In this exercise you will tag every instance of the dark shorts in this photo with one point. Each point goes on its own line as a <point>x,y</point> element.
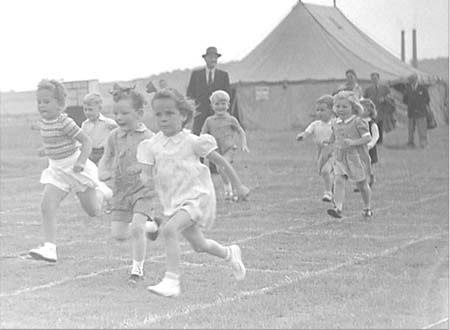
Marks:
<point>130,199</point>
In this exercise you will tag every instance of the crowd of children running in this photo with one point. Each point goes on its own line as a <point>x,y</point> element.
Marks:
<point>143,177</point>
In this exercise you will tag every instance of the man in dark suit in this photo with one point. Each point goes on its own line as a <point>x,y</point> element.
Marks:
<point>380,94</point>
<point>202,83</point>
<point>416,97</point>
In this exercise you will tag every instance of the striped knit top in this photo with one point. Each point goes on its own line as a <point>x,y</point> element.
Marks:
<point>58,136</point>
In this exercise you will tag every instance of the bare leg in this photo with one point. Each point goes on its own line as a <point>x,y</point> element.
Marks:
<point>139,241</point>
<point>366,193</point>
<point>327,180</point>
<point>51,199</point>
<point>178,223</point>
<point>339,191</point>
<point>90,201</point>
<point>201,244</point>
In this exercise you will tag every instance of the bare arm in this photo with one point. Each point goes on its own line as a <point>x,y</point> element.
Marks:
<point>243,138</point>
<point>217,159</point>
<point>375,136</point>
<point>86,148</point>
<point>104,166</point>
<point>146,174</point>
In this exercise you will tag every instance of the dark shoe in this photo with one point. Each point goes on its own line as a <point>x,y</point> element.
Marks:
<point>335,213</point>
<point>356,190</point>
<point>134,279</point>
<point>153,235</point>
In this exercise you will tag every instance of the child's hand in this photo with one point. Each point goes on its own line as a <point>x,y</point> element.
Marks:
<point>300,136</point>
<point>242,193</point>
<point>41,152</point>
<point>245,148</point>
<point>104,175</point>
<point>347,143</point>
<point>78,167</point>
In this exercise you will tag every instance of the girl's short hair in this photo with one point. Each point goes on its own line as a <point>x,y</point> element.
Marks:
<point>357,109</point>
<point>57,88</point>
<point>220,94</point>
<point>327,100</point>
<point>184,105</point>
<point>93,99</point>
<point>369,105</point>
<point>128,93</point>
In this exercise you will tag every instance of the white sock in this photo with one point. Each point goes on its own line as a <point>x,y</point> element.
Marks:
<point>151,226</point>
<point>50,245</point>
<point>172,276</point>
<point>138,268</point>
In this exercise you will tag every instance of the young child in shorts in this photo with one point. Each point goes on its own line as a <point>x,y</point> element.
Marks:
<point>96,125</point>
<point>224,127</point>
<point>133,206</point>
<point>67,148</point>
<point>321,131</point>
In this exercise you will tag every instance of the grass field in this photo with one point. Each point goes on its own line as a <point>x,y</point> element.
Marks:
<point>305,269</point>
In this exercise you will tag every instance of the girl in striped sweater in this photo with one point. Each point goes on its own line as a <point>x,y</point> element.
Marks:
<point>69,167</point>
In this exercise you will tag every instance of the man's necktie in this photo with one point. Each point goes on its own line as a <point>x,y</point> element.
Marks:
<point>210,78</point>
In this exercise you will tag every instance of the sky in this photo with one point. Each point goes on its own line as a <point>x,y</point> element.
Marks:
<point>121,40</point>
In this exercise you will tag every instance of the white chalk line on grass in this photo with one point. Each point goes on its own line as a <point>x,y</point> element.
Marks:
<point>436,323</point>
<point>155,258</point>
<point>287,280</point>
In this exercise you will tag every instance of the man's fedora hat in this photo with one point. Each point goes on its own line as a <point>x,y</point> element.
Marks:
<point>212,50</point>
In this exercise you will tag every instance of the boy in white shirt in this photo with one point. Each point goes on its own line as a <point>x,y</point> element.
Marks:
<point>96,126</point>
<point>321,131</point>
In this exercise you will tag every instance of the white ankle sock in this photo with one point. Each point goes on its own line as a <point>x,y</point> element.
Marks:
<point>172,276</point>
<point>228,256</point>
<point>50,245</point>
<point>138,267</point>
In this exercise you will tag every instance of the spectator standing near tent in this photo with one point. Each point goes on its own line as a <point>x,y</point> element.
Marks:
<point>202,83</point>
<point>351,84</point>
<point>417,99</point>
<point>380,95</point>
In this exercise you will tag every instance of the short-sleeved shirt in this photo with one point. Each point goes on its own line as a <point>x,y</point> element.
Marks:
<point>58,136</point>
<point>98,130</point>
<point>320,131</point>
<point>122,146</point>
<point>181,180</point>
<point>223,128</point>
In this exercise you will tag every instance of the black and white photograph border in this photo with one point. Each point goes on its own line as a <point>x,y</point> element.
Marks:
<point>320,198</point>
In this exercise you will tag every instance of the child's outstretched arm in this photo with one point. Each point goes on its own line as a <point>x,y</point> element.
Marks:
<point>241,189</point>
<point>105,163</point>
<point>86,148</point>
<point>302,135</point>
<point>375,136</point>
<point>243,138</point>
<point>146,174</point>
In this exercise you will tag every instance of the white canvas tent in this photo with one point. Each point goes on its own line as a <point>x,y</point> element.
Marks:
<point>306,56</point>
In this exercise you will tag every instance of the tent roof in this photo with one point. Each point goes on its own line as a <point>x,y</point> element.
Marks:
<point>317,43</point>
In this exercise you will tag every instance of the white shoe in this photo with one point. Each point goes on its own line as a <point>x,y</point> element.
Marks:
<point>46,252</point>
<point>236,262</point>
<point>168,287</point>
<point>327,196</point>
<point>105,190</point>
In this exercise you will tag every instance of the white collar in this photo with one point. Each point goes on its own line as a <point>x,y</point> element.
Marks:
<point>175,139</point>
<point>139,128</point>
<point>349,119</point>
